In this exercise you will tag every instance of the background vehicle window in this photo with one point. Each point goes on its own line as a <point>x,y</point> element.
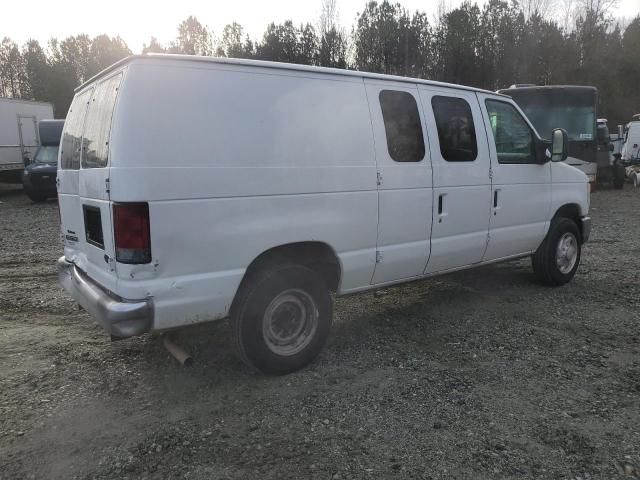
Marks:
<point>72,135</point>
<point>95,142</point>
<point>402,126</point>
<point>456,131</point>
<point>512,135</point>
<point>47,154</point>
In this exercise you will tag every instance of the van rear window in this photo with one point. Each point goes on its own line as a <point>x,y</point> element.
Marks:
<point>98,125</point>
<point>70,144</point>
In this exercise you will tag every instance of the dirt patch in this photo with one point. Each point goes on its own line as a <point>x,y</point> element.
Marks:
<point>481,374</point>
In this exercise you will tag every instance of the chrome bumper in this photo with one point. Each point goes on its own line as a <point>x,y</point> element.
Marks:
<point>121,318</point>
<point>585,228</point>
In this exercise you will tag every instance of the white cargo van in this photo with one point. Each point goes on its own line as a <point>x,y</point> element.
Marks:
<point>192,189</point>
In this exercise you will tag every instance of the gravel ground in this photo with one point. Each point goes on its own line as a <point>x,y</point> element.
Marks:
<point>481,374</point>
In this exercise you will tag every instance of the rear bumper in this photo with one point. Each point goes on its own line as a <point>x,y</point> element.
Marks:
<point>121,318</point>
<point>585,228</point>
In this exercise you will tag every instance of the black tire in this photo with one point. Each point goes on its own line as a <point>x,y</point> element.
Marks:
<point>544,262</point>
<point>252,329</point>
<point>618,177</point>
<point>35,196</point>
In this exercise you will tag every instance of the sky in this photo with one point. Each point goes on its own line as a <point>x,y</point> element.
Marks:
<point>137,20</point>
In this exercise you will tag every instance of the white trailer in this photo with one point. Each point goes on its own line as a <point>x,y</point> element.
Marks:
<point>19,134</point>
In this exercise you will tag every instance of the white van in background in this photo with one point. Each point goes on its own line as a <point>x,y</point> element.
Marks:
<point>195,188</point>
<point>631,146</point>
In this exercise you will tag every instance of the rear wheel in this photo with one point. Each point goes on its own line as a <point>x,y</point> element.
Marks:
<point>282,318</point>
<point>557,259</point>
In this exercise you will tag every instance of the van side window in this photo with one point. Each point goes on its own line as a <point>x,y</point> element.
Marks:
<point>456,131</point>
<point>402,126</point>
<point>512,135</point>
<point>72,136</point>
<point>95,142</point>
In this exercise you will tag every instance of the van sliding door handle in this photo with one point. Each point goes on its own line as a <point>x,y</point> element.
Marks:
<point>495,199</point>
<point>440,204</point>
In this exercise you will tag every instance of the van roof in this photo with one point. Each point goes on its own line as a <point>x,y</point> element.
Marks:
<point>276,65</point>
<point>513,88</point>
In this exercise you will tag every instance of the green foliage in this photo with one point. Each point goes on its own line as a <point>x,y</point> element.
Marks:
<point>193,39</point>
<point>490,46</point>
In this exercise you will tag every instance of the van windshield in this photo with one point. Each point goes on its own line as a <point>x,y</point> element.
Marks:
<point>47,154</point>
<point>573,109</point>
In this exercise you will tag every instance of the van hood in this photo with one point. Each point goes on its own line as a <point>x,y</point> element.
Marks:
<point>42,168</point>
<point>562,172</point>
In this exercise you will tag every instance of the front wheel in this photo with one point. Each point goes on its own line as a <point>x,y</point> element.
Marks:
<point>557,259</point>
<point>281,319</point>
<point>35,197</point>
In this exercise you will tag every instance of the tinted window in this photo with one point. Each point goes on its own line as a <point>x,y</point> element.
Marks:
<point>512,135</point>
<point>98,125</point>
<point>47,154</point>
<point>456,131</point>
<point>402,126</point>
<point>70,143</point>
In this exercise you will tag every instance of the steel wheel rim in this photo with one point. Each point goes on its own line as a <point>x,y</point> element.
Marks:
<point>567,253</point>
<point>290,322</point>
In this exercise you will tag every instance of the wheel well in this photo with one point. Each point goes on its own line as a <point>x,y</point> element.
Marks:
<point>571,211</point>
<point>317,256</point>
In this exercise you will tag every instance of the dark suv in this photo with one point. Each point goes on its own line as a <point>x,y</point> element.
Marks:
<point>39,176</point>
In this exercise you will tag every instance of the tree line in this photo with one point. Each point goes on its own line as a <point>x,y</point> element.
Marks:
<point>490,46</point>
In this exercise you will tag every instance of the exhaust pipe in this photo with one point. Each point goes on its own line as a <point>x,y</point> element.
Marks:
<point>176,352</point>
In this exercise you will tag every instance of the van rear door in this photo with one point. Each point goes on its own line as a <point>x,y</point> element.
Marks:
<point>83,182</point>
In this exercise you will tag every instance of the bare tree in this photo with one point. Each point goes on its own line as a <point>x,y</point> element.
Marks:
<point>329,16</point>
<point>541,8</point>
<point>599,9</point>
<point>568,14</point>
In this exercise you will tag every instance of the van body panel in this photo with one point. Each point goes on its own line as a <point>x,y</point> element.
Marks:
<point>219,238</point>
<point>290,160</point>
<point>521,195</point>
<point>568,187</point>
<point>459,235</point>
<point>405,197</point>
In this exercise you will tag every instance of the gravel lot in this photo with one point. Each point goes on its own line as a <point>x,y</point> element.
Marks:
<point>481,374</point>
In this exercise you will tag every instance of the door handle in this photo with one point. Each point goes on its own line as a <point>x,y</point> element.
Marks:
<point>440,204</point>
<point>495,199</point>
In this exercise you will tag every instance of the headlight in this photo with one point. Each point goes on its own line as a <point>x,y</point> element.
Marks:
<point>592,178</point>
<point>26,173</point>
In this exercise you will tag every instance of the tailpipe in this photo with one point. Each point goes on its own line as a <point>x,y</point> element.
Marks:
<point>176,352</point>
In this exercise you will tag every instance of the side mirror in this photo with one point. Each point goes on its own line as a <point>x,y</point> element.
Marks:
<point>26,160</point>
<point>610,147</point>
<point>559,145</point>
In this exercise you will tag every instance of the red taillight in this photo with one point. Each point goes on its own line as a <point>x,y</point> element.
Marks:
<point>131,232</point>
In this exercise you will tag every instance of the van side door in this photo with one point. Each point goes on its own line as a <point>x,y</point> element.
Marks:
<point>404,181</point>
<point>461,183</point>
<point>521,189</point>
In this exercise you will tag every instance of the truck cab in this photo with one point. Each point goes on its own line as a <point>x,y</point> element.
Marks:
<point>39,175</point>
